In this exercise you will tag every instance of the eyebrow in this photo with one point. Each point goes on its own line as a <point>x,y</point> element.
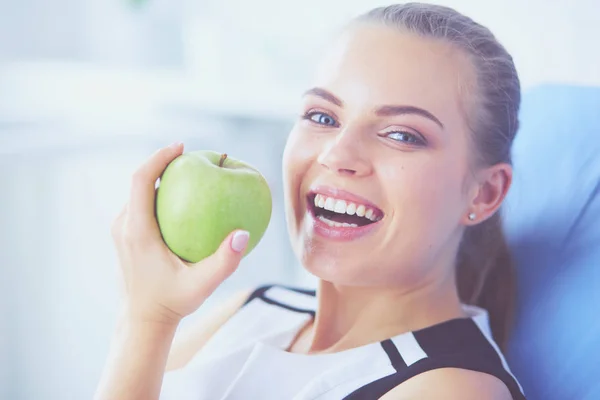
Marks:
<point>325,95</point>
<point>383,111</point>
<point>387,111</point>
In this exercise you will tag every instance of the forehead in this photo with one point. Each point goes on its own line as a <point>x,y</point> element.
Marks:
<point>370,65</point>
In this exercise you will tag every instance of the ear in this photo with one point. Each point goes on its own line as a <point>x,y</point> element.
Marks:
<point>490,189</point>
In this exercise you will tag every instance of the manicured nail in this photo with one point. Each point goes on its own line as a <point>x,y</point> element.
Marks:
<point>239,241</point>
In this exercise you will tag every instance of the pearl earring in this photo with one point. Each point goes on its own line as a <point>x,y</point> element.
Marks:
<point>472,216</point>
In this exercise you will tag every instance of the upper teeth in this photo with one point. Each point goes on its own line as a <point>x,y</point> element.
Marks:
<point>344,207</point>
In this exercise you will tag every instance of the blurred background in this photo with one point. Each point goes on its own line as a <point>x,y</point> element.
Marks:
<point>90,88</point>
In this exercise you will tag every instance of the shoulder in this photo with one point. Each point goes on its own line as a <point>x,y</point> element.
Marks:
<point>450,384</point>
<point>194,337</point>
<point>301,300</point>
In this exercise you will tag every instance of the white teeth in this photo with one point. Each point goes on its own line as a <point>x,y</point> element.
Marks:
<point>336,224</point>
<point>340,207</point>
<point>327,221</point>
<point>329,204</point>
<point>351,209</point>
<point>360,211</point>
<point>321,201</point>
<point>343,207</point>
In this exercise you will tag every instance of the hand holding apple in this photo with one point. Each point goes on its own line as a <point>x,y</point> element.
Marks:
<point>159,286</point>
<point>205,195</point>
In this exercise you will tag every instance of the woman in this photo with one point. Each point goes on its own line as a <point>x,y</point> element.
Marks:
<point>394,175</point>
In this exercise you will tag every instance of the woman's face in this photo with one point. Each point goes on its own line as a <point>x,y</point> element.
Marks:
<point>375,168</point>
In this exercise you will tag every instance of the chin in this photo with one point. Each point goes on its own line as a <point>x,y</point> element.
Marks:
<point>327,264</point>
<point>334,232</point>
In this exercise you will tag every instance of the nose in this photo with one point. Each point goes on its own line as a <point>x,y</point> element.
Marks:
<point>342,155</point>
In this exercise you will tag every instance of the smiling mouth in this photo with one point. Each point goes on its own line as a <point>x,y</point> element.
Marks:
<point>342,213</point>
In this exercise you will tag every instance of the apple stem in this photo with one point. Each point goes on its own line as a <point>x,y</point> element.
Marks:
<point>222,160</point>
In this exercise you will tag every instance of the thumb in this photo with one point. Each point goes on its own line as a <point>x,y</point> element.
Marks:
<point>214,269</point>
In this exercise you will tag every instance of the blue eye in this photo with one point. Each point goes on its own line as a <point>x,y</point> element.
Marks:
<point>406,137</point>
<point>321,118</point>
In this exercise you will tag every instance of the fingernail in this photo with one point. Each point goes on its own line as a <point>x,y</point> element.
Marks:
<point>174,145</point>
<point>239,241</point>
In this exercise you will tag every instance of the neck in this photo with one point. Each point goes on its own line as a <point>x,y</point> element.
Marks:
<point>351,316</point>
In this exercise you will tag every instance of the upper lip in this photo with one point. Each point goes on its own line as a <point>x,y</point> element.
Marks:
<point>340,194</point>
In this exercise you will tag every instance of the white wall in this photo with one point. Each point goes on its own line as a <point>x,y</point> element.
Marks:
<point>551,40</point>
<point>274,41</point>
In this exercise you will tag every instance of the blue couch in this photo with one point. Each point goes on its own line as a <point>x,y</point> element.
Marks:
<point>552,223</point>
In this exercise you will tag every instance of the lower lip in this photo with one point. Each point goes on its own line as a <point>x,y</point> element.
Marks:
<point>341,233</point>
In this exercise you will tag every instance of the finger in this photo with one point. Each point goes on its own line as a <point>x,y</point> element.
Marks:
<point>213,270</point>
<point>144,180</point>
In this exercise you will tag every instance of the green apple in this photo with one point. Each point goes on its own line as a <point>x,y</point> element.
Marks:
<point>203,196</point>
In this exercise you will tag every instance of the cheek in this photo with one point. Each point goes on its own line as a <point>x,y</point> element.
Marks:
<point>298,157</point>
<point>301,152</point>
<point>426,189</point>
<point>424,195</point>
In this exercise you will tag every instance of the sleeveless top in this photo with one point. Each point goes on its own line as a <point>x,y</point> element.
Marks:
<point>246,358</point>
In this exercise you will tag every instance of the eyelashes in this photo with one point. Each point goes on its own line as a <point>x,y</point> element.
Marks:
<point>321,118</point>
<point>406,137</point>
<point>325,120</point>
